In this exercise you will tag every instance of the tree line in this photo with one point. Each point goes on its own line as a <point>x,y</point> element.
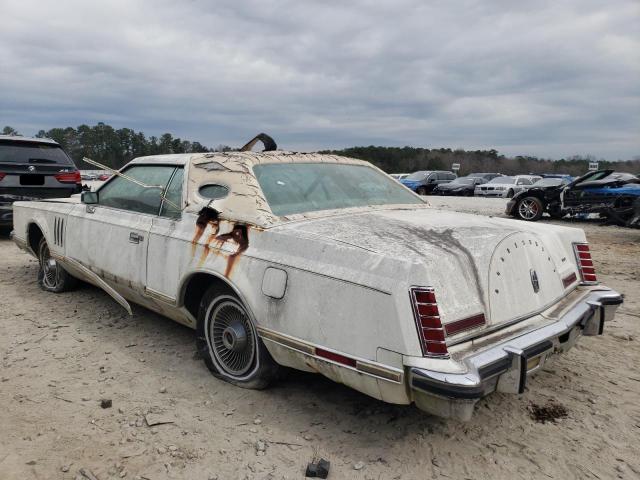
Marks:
<point>115,147</point>
<point>411,159</point>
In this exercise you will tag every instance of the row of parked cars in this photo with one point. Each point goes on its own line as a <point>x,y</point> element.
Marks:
<point>610,194</point>
<point>95,176</point>
<point>479,184</point>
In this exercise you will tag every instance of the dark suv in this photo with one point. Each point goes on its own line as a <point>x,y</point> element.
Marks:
<point>423,182</point>
<point>32,169</point>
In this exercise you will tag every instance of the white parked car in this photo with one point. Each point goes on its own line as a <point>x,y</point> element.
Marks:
<point>505,186</point>
<point>325,264</point>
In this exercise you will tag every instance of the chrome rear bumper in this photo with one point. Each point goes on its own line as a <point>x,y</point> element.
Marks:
<point>504,367</point>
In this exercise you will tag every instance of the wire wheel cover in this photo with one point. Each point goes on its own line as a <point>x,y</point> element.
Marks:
<point>50,269</point>
<point>232,338</point>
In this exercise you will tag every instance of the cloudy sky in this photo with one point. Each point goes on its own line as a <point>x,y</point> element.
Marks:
<point>549,78</point>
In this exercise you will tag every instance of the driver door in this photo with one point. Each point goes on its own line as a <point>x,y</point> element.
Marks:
<point>111,237</point>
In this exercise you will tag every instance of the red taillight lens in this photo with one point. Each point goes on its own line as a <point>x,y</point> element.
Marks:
<point>427,316</point>
<point>2,175</point>
<point>468,323</point>
<point>68,177</point>
<point>336,357</point>
<point>585,264</point>
<point>424,296</point>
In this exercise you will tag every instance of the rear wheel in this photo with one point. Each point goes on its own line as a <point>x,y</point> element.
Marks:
<point>229,344</point>
<point>421,191</point>
<point>529,208</point>
<point>52,277</point>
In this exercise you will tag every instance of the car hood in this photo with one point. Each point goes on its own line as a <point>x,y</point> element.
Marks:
<point>453,186</point>
<point>497,185</point>
<point>404,181</point>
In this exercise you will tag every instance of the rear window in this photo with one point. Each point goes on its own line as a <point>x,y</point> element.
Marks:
<point>503,180</point>
<point>307,187</point>
<point>32,152</point>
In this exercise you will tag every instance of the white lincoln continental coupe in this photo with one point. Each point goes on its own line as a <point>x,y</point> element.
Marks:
<point>325,264</point>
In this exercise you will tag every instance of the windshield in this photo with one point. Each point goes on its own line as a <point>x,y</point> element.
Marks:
<point>503,180</point>
<point>16,151</point>
<point>417,176</point>
<point>550,182</point>
<point>306,187</point>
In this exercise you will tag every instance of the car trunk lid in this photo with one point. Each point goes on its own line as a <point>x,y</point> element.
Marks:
<point>477,265</point>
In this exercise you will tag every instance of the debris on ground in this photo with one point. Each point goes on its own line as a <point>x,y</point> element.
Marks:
<point>319,469</point>
<point>547,413</point>
<point>261,447</point>
<point>106,403</point>
<point>153,419</point>
<point>86,473</point>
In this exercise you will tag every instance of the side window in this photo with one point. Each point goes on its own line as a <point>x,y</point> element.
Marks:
<point>124,194</point>
<point>174,195</point>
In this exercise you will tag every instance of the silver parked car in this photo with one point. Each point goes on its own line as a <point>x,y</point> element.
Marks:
<point>505,186</point>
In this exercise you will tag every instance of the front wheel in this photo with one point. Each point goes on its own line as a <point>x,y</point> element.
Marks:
<point>510,193</point>
<point>52,277</point>
<point>229,344</point>
<point>529,209</point>
<point>421,191</point>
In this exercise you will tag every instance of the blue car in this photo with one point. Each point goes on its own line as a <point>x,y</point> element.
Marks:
<point>424,182</point>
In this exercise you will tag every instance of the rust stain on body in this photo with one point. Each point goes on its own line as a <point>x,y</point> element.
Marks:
<point>240,236</point>
<point>211,240</point>
<point>207,216</point>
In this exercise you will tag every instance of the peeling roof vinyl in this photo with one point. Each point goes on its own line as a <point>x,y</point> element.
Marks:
<point>245,202</point>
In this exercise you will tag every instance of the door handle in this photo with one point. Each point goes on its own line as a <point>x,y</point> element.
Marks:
<point>135,238</point>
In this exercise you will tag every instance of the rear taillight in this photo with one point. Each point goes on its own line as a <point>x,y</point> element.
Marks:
<point>584,262</point>
<point>2,175</point>
<point>68,177</point>
<point>427,316</point>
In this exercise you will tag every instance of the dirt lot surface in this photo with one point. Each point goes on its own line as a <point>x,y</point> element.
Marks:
<point>62,354</point>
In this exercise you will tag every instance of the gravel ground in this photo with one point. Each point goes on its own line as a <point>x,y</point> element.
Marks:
<point>62,354</point>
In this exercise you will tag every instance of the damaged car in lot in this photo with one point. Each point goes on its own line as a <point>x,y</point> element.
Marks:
<point>614,195</point>
<point>325,264</point>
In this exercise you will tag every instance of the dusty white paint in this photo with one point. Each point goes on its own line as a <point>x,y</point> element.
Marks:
<point>346,273</point>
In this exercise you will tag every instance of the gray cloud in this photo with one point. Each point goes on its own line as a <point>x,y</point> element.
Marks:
<point>545,78</point>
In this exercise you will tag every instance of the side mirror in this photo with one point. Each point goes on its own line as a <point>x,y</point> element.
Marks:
<point>90,198</point>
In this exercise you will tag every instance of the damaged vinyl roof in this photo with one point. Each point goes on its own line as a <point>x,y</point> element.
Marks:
<point>245,200</point>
